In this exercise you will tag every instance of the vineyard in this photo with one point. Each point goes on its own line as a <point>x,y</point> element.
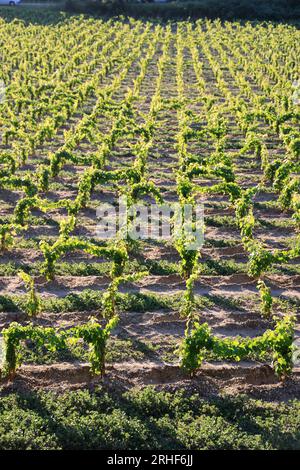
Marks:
<point>193,113</point>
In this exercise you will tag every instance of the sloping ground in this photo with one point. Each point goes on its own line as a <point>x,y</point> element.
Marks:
<point>142,349</point>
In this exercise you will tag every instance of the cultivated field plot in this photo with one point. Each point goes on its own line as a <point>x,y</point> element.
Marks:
<point>188,113</point>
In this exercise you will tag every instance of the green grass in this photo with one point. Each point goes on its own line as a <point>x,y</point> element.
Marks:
<point>277,10</point>
<point>221,221</point>
<point>210,267</point>
<point>89,300</point>
<point>221,243</point>
<point>145,419</point>
<point>118,350</point>
<point>81,268</point>
<point>214,267</point>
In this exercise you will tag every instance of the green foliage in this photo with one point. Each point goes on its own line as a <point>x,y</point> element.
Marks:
<point>33,304</point>
<point>288,191</point>
<point>65,245</point>
<point>188,301</point>
<point>266,298</point>
<point>7,234</point>
<point>278,10</point>
<point>189,257</point>
<point>92,333</point>
<point>260,259</point>
<point>233,190</point>
<point>278,342</point>
<point>109,298</point>
<point>96,336</point>
<point>16,182</point>
<point>16,333</point>
<point>60,101</point>
<point>294,148</point>
<point>107,419</point>
<point>43,177</point>
<point>253,143</point>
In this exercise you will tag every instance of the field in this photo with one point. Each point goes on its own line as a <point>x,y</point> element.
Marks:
<point>158,344</point>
